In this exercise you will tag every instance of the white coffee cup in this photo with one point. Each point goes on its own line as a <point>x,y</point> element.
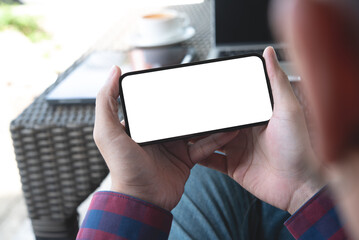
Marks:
<point>163,24</point>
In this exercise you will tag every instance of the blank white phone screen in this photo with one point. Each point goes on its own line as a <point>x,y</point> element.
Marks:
<point>194,99</point>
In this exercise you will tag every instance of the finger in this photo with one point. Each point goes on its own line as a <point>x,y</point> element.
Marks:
<point>217,162</point>
<point>283,95</point>
<point>195,139</point>
<point>203,148</point>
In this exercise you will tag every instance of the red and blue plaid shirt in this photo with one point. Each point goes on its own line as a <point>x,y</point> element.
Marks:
<point>117,216</point>
<point>316,219</point>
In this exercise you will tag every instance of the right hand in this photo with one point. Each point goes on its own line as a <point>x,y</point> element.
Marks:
<point>269,161</point>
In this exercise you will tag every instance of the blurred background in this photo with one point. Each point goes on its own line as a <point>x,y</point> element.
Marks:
<point>40,39</point>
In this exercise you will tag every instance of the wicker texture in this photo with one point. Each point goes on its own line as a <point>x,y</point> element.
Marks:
<point>200,18</point>
<point>58,161</point>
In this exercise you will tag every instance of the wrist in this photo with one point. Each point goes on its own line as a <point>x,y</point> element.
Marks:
<point>142,193</point>
<point>300,197</point>
<point>311,183</point>
<point>134,192</point>
<point>302,194</point>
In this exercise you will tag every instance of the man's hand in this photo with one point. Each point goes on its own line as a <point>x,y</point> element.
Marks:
<point>155,173</point>
<point>270,161</point>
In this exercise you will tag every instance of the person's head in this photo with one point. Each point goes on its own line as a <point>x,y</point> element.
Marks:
<point>323,38</point>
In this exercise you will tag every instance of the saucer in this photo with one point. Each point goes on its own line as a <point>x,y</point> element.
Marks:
<point>138,40</point>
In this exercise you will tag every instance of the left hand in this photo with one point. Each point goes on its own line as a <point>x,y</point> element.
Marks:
<point>270,161</point>
<point>155,173</point>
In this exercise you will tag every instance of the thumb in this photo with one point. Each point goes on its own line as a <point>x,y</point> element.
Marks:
<point>283,95</point>
<point>107,122</point>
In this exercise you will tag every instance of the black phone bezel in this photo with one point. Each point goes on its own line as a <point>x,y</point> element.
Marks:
<point>123,105</point>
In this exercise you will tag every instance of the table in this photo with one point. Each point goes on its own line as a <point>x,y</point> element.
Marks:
<point>58,161</point>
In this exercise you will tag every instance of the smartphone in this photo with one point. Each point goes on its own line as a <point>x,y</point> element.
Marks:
<point>193,99</point>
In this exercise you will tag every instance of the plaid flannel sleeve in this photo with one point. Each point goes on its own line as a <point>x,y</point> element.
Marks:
<point>316,219</point>
<point>114,215</point>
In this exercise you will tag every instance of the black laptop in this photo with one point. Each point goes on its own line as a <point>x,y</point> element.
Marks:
<point>242,27</point>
